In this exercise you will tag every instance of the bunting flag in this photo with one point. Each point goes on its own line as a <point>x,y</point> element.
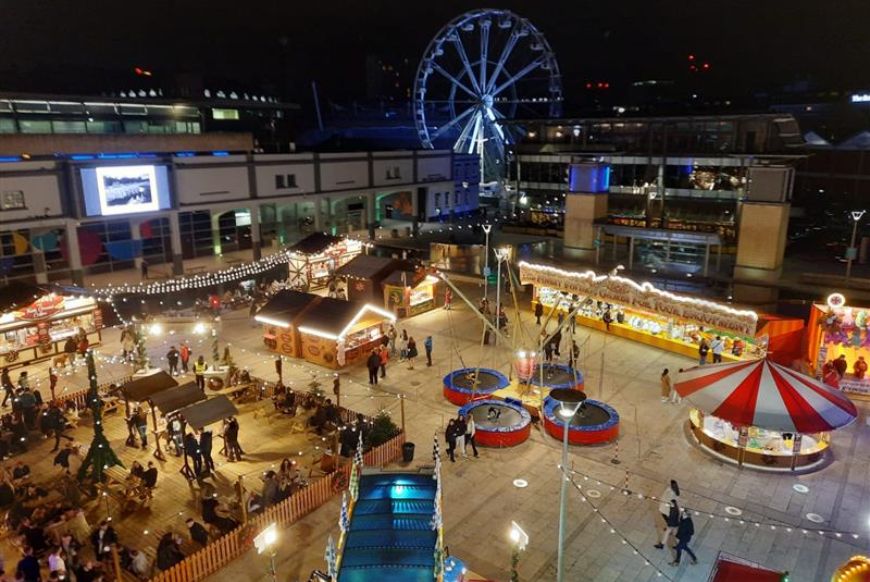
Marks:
<point>436,456</point>
<point>45,242</point>
<point>356,469</point>
<point>20,243</point>
<point>331,558</point>
<point>439,559</point>
<point>437,521</point>
<point>124,250</point>
<point>344,520</point>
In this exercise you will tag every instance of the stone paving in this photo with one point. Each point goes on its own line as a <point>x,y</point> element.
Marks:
<point>481,501</point>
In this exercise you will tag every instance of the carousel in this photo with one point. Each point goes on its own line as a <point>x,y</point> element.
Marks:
<point>763,415</point>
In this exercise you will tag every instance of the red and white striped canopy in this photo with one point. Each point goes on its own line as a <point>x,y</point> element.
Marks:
<point>764,394</point>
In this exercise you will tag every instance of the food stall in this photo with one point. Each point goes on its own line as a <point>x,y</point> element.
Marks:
<point>336,333</point>
<point>279,316</point>
<point>363,276</point>
<point>314,259</point>
<point>836,329</point>
<point>38,330</point>
<point>409,293</point>
<point>677,323</point>
<point>761,414</point>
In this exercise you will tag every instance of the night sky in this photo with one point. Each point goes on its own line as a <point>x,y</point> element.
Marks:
<point>67,46</point>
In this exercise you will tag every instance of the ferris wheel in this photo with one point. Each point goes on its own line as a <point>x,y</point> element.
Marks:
<point>483,67</point>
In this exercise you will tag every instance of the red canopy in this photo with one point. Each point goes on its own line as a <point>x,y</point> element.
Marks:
<point>767,395</point>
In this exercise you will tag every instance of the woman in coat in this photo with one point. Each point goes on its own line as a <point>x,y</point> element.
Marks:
<point>450,437</point>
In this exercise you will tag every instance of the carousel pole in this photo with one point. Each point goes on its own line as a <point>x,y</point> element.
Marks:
<point>158,454</point>
<point>240,485</point>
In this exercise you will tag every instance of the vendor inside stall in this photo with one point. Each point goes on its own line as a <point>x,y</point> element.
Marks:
<point>337,333</point>
<point>677,323</point>
<point>39,329</point>
<point>279,316</point>
<point>361,278</point>
<point>409,293</point>
<point>314,259</point>
<point>838,345</point>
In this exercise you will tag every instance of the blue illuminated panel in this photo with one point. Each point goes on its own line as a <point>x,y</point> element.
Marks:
<point>589,178</point>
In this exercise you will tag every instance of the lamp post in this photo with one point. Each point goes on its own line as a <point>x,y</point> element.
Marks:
<point>852,252</point>
<point>486,229</point>
<point>569,403</point>
<point>265,543</point>
<point>501,254</point>
<point>520,540</point>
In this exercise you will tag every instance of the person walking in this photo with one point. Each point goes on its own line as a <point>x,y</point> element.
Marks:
<point>448,298</point>
<point>539,312</point>
<point>373,363</point>
<point>548,352</point>
<point>205,446</point>
<point>172,359</point>
<point>427,343</point>
<point>412,352</point>
<point>383,358</point>
<point>199,367</point>
<point>717,347</point>
<point>670,511</point>
<point>675,396</point>
<point>685,531</point>
<point>184,354</point>
<point>8,387</point>
<point>470,431</point>
<point>667,384</point>
<point>702,352</point>
<point>450,437</point>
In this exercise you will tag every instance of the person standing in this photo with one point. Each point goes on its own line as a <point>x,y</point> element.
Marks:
<point>373,363</point>
<point>8,387</point>
<point>685,531</point>
<point>54,421</point>
<point>675,396</point>
<point>184,354</point>
<point>52,381</point>
<point>539,312</point>
<point>448,298</point>
<point>548,352</point>
<point>392,334</point>
<point>667,384</point>
<point>69,348</point>
<point>403,343</point>
<point>383,358</point>
<point>470,431</point>
<point>412,352</point>
<point>234,449</point>
<point>670,511</point>
<point>140,420</point>
<point>192,449</point>
<point>717,347</point>
<point>427,343</point>
<point>205,446</point>
<point>459,427</point>
<point>702,352</point>
<point>199,373</point>
<point>128,345</point>
<point>840,365</point>
<point>172,359</point>
<point>450,437</point>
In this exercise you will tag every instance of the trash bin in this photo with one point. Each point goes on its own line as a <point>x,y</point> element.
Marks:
<point>408,452</point>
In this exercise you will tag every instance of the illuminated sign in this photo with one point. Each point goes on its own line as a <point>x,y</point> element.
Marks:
<point>126,189</point>
<point>836,300</point>
<point>860,97</point>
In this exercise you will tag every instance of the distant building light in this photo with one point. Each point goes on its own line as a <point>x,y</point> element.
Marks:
<point>206,92</point>
<point>224,114</point>
<point>860,98</point>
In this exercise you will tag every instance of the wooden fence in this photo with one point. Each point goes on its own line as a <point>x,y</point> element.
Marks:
<point>80,397</point>
<point>224,550</point>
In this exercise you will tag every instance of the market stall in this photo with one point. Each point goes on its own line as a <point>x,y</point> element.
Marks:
<point>279,316</point>
<point>409,293</point>
<point>838,330</point>
<point>336,333</point>
<point>762,414</point>
<point>363,276</point>
<point>677,323</point>
<point>145,386</point>
<point>314,259</point>
<point>37,330</point>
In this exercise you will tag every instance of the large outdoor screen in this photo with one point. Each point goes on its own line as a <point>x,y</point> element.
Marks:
<point>114,190</point>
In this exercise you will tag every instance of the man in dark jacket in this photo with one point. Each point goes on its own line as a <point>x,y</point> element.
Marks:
<point>28,566</point>
<point>149,477</point>
<point>191,447</point>
<point>672,522</point>
<point>685,531</point>
<point>54,423</point>
<point>197,532</point>
<point>102,538</point>
<point>172,358</point>
<point>205,445</point>
<point>373,363</point>
<point>8,386</point>
<point>539,311</point>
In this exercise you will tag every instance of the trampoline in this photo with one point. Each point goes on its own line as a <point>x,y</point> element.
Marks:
<point>558,376</point>
<point>499,423</point>
<point>460,386</point>
<point>390,538</point>
<point>596,423</point>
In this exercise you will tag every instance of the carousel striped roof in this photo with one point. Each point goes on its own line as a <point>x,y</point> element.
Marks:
<point>767,395</point>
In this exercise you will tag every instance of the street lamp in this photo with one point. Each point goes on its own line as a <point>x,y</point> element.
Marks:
<point>852,252</point>
<point>501,254</point>
<point>520,540</point>
<point>569,403</point>
<point>486,229</point>
<point>265,543</point>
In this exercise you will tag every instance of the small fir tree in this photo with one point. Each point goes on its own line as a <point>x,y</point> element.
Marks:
<point>100,455</point>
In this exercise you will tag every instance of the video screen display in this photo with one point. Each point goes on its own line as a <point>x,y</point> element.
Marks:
<point>115,190</point>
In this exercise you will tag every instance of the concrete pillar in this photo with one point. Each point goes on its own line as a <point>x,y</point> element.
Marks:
<point>175,244</point>
<point>256,244</point>
<point>74,254</point>
<point>630,252</point>
<point>136,235</point>
<point>40,269</point>
<point>706,258</point>
<point>371,204</point>
<point>318,215</point>
<point>216,232</point>
<point>585,203</point>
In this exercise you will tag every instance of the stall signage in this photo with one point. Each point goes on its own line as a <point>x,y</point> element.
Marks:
<point>796,444</point>
<point>626,292</point>
<point>43,307</point>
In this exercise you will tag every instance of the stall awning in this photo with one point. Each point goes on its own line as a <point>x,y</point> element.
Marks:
<point>145,387</point>
<point>366,267</point>
<point>334,317</point>
<point>208,412</point>
<point>314,243</point>
<point>764,394</point>
<point>285,306</point>
<point>173,399</point>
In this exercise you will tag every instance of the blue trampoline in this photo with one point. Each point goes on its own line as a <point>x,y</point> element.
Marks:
<point>465,384</point>
<point>558,376</point>
<point>390,537</point>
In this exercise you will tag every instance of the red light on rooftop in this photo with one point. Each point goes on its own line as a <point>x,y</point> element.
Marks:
<point>706,66</point>
<point>691,57</point>
<point>588,85</point>
<point>693,68</point>
<point>138,70</point>
<point>607,85</point>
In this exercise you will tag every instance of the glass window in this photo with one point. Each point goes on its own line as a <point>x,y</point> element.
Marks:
<point>135,127</point>
<point>7,125</point>
<point>28,126</point>
<point>12,199</point>
<point>104,127</point>
<point>217,113</point>
<point>68,126</point>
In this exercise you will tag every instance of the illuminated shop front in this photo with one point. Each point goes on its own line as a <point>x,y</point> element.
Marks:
<point>363,277</point>
<point>40,329</point>
<point>677,323</point>
<point>314,259</point>
<point>409,293</point>
<point>837,329</point>
<point>279,318</point>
